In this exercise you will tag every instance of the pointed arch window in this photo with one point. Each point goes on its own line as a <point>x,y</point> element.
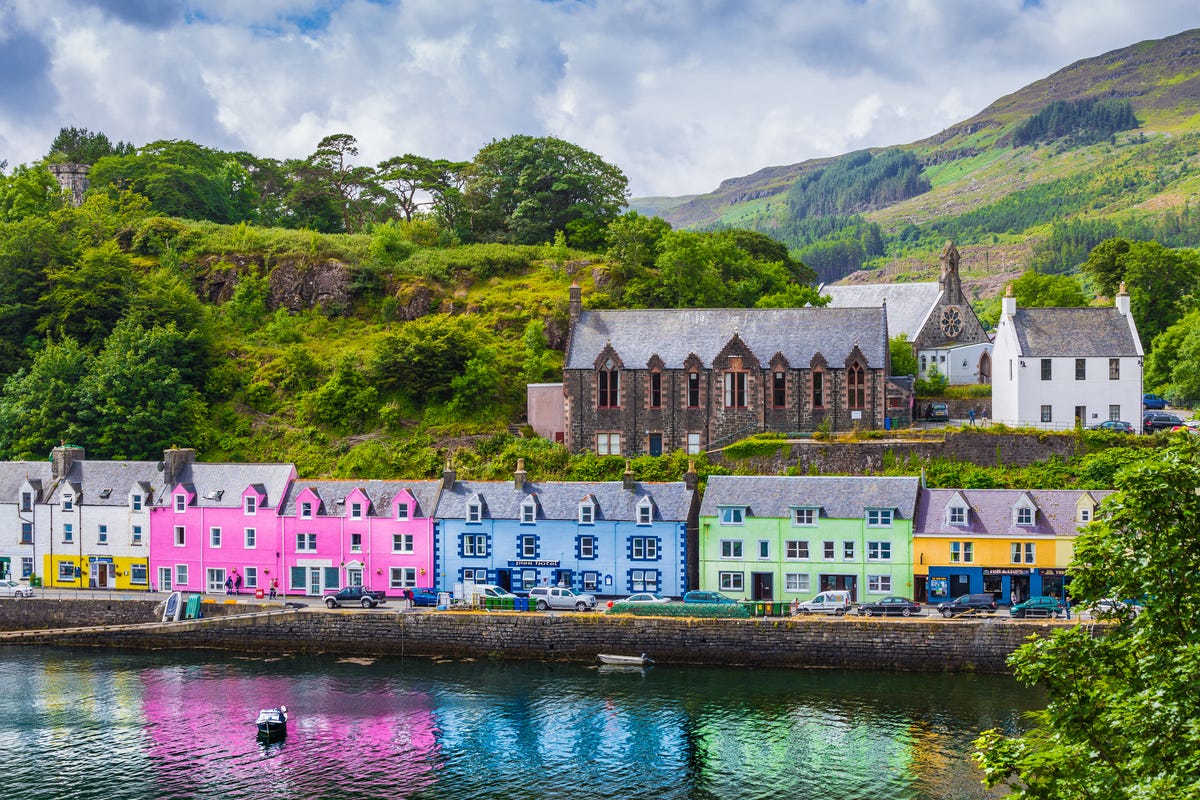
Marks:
<point>856,386</point>
<point>656,389</point>
<point>693,389</point>
<point>608,382</point>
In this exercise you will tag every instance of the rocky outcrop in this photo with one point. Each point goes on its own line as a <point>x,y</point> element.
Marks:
<point>325,285</point>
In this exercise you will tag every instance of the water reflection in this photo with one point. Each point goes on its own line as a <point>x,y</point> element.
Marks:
<point>105,725</point>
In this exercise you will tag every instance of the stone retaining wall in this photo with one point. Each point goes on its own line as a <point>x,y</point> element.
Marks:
<point>50,612</point>
<point>933,645</point>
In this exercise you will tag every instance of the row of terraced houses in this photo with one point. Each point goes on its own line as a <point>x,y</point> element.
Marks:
<point>185,525</point>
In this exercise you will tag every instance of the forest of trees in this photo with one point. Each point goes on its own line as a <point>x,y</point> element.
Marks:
<point>1085,121</point>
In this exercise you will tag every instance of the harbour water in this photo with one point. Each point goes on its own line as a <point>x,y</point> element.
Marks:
<point>132,725</point>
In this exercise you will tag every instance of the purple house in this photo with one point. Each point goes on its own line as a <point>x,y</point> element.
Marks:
<point>217,523</point>
<point>377,534</point>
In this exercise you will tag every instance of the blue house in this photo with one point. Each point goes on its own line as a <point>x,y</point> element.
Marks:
<point>608,538</point>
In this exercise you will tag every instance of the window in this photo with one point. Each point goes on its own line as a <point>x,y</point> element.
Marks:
<point>693,390</point>
<point>958,515</point>
<point>879,517</point>
<point>68,502</point>
<point>856,386</point>
<point>68,533</point>
<point>644,548</point>
<point>735,390</point>
<point>249,538</point>
<point>804,517</point>
<point>795,582</point>
<point>66,570</point>
<point>732,581</point>
<point>879,584</point>
<point>402,512</point>
<point>306,510</point>
<point>608,381</point>
<point>779,389</point>
<point>1047,415</point>
<point>356,543</point>
<point>528,546</point>
<point>732,515</point>
<point>306,542</point>
<point>474,545</point>
<point>818,389</point>
<point>528,513</point>
<point>181,574</point>
<point>474,512</point>
<point>180,536</point>
<point>250,504</point>
<point>643,580</point>
<point>591,581</point>
<point>1081,369</point>
<point>478,575</point>
<point>216,579</point>
<point>136,502</point>
<point>1114,369</point>
<point>1024,516</point>
<point>180,503</point>
<point>693,444</point>
<point>1114,412</point>
<point>608,444</point>
<point>645,514</point>
<point>828,550</point>
<point>1085,514</point>
<point>139,574</point>
<point>402,542</point>
<point>26,533</point>
<point>26,501</point>
<point>402,578</point>
<point>587,514</point>
<point>587,546</point>
<point>962,552</point>
<point>879,551</point>
<point>1023,552</point>
<point>214,537</point>
<point>796,549</point>
<point>102,534</point>
<point>528,578</point>
<point>848,550</point>
<point>26,566</point>
<point>1046,369</point>
<point>656,390</point>
<point>731,548</point>
<point>764,548</point>
<point>356,511</point>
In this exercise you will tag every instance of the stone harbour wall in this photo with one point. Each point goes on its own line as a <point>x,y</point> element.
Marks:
<point>51,613</point>
<point>932,645</point>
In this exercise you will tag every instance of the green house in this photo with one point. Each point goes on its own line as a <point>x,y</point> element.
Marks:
<point>787,538</point>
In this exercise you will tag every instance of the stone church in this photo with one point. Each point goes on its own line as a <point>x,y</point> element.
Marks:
<point>937,318</point>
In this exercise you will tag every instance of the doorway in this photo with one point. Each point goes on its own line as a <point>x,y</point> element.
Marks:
<point>561,577</point>
<point>985,368</point>
<point>845,583</point>
<point>354,577</point>
<point>164,579</point>
<point>762,586</point>
<point>1081,416</point>
<point>314,581</point>
<point>656,444</point>
<point>504,579</point>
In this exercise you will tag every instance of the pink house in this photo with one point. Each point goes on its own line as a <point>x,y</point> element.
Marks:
<point>218,523</point>
<point>377,534</point>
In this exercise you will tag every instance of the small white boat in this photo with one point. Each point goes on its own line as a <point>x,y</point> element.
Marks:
<point>272,723</point>
<point>626,661</point>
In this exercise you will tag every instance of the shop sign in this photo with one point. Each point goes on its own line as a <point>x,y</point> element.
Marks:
<point>938,586</point>
<point>1054,572</point>
<point>1006,571</point>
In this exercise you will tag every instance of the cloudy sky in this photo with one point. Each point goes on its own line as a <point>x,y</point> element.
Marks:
<point>678,93</point>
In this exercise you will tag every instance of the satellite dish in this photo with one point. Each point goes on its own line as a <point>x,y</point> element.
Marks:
<point>160,466</point>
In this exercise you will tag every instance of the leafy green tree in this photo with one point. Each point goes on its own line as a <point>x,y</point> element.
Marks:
<point>1160,281</point>
<point>540,363</point>
<point>1034,290</point>
<point>247,308</point>
<point>424,357</point>
<point>1122,712</point>
<point>904,361</point>
<point>406,178</point>
<point>345,401</point>
<point>81,146</point>
<point>522,189</point>
<point>329,174</point>
<point>1173,365</point>
<point>633,245</point>
<point>794,295</point>
<point>28,192</point>
<point>37,404</point>
<point>86,299</point>
<point>687,273</point>
<point>27,250</point>
<point>762,247</point>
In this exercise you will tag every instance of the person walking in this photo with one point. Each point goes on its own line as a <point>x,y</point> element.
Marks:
<point>237,583</point>
<point>229,585</point>
<point>971,416</point>
<point>274,588</point>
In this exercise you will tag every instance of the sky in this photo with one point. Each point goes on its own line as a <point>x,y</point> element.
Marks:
<point>680,94</point>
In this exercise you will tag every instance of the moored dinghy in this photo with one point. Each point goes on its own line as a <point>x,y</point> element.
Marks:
<point>625,661</point>
<point>272,723</point>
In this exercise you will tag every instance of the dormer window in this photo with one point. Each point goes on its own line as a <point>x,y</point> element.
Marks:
<point>645,512</point>
<point>1024,516</point>
<point>135,502</point>
<point>528,512</point>
<point>804,517</point>
<point>956,515</point>
<point>251,504</point>
<point>306,510</point>
<point>733,515</point>
<point>587,513</point>
<point>474,512</point>
<point>68,502</point>
<point>879,517</point>
<point>1024,512</point>
<point>402,512</point>
<point>1085,514</point>
<point>356,511</point>
<point>27,501</point>
<point>180,503</point>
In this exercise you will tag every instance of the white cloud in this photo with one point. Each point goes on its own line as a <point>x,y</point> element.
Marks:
<point>679,93</point>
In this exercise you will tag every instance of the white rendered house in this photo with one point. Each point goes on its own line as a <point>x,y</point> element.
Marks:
<point>1054,366</point>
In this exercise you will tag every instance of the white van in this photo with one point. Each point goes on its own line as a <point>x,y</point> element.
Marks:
<point>828,602</point>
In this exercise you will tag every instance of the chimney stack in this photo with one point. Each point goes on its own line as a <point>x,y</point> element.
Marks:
<point>62,458</point>
<point>519,476</point>
<point>448,478</point>
<point>689,477</point>
<point>1122,300</point>
<point>174,460</point>
<point>627,479</point>
<point>575,306</point>
<point>1008,304</point>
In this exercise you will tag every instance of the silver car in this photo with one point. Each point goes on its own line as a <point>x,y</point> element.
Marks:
<point>560,597</point>
<point>14,589</point>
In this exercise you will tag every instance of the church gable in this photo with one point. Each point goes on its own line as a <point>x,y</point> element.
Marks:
<point>735,348</point>
<point>951,320</point>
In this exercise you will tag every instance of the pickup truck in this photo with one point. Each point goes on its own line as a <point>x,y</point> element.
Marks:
<point>355,596</point>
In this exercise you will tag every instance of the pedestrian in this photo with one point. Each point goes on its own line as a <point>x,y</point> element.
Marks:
<point>971,416</point>
<point>237,583</point>
<point>274,588</point>
<point>229,585</point>
<point>1012,597</point>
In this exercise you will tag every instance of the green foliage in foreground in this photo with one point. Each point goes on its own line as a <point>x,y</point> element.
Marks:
<point>705,610</point>
<point>1122,719</point>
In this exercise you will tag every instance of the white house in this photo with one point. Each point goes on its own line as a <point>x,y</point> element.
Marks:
<point>23,486</point>
<point>1054,366</point>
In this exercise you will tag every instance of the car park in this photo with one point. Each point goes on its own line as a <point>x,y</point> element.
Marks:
<point>969,604</point>
<point>1115,426</point>
<point>647,598</point>
<point>833,601</point>
<point>15,589</point>
<point>561,598</point>
<point>707,597</point>
<point>1154,421</point>
<point>355,596</point>
<point>1037,606</point>
<point>1153,402</point>
<point>890,606</point>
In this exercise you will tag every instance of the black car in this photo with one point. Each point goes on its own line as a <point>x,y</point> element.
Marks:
<point>890,606</point>
<point>937,412</point>
<point>1154,421</point>
<point>968,603</point>
<point>354,596</point>
<point>1114,425</point>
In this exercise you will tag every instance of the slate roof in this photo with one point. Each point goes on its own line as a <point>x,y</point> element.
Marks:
<point>1078,332</point>
<point>380,494</point>
<point>908,304</point>
<point>992,512</point>
<point>92,478</point>
<point>230,480</point>
<point>673,334</point>
<point>560,500</point>
<point>13,475</point>
<point>774,497</point>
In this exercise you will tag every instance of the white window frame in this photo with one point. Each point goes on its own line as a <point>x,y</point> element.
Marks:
<point>587,513</point>
<point>528,545</point>
<point>608,444</point>
<point>804,517</point>
<point>733,515</point>
<point>402,542</point>
<point>180,503</point>
<point>250,504</point>
<point>764,549</point>
<point>797,550</point>
<point>250,538</point>
<point>645,513</point>
<point>587,547</point>
<point>68,533</point>
<point>101,534</point>
<point>135,535</point>
<point>956,515</point>
<point>180,536</point>
<point>879,517</point>
<point>402,512</point>
<point>731,548</point>
<point>879,584</point>
<point>848,549</point>
<point>181,575</point>
<point>356,510</point>
<point>474,545</point>
<point>356,538</point>
<point>693,444</point>
<point>474,512</point>
<point>732,581</point>
<point>796,582</point>
<point>402,578</point>
<point>306,542</point>
<point>528,513</point>
<point>214,537</point>
<point>880,550</point>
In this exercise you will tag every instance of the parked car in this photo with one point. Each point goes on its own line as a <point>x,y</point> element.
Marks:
<point>424,597</point>
<point>1154,421</point>
<point>1114,425</point>
<point>1112,607</point>
<point>1037,606</point>
<point>890,606</point>
<point>647,597</point>
<point>707,597</point>
<point>968,604</point>
<point>354,596</point>
<point>937,412</point>
<point>15,589</point>
<point>560,597</point>
<point>1154,402</point>
<point>832,601</point>
<point>488,590</point>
